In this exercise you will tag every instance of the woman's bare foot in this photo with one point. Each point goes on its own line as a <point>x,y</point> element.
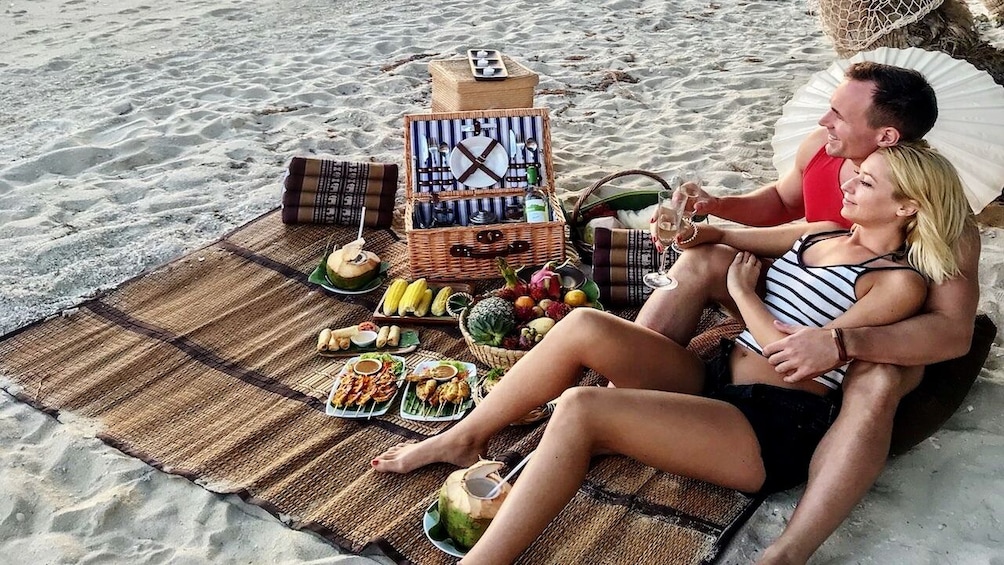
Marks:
<point>406,457</point>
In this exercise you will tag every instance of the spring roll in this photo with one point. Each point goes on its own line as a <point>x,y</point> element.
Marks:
<point>323,338</point>
<point>382,336</point>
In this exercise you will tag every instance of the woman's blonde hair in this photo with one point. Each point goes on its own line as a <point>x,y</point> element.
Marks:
<point>925,176</point>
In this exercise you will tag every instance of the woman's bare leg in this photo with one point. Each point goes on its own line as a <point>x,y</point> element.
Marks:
<point>629,355</point>
<point>683,434</point>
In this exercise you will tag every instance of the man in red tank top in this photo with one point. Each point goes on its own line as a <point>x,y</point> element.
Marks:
<point>820,177</point>
<point>875,106</point>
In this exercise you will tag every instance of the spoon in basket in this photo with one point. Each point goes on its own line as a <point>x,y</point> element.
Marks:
<point>531,145</point>
<point>445,150</point>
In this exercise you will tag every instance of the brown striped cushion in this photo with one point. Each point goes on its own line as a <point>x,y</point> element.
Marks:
<point>324,191</point>
<point>621,257</point>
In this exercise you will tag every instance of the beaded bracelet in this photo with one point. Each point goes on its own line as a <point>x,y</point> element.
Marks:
<point>692,237</point>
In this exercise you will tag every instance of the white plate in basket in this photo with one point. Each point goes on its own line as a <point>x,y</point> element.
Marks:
<point>497,161</point>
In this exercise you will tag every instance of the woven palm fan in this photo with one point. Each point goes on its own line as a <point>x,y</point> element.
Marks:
<point>969,130</point>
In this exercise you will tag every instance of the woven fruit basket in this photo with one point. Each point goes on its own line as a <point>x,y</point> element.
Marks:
<point>489,355</point>
<point>537,414</point>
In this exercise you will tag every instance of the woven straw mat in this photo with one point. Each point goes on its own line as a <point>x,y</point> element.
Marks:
<point>205,368</point>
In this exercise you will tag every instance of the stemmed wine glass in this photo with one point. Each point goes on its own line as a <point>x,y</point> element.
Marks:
<point>688,187</point>
<point>668,221</point>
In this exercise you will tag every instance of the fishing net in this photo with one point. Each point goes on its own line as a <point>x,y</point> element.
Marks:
<point>935,25</point>
<point>995,8</point>
<point>854,25</point>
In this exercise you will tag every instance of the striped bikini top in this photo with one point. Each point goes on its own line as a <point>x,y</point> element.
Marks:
<point>813,296</point>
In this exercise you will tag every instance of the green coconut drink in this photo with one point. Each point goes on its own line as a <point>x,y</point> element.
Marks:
<point>464,509</point>
<point>352,268</point>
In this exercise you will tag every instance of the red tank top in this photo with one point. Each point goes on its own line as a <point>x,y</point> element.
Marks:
<point>821,189</point>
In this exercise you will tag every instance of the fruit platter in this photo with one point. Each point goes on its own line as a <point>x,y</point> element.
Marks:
<point>503,325</point>
<point>438,391</point>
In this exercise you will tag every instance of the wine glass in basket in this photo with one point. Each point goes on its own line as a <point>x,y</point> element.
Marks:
<point>668,221</point>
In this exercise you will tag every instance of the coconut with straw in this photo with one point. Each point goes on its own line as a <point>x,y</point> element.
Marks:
<point>351,267</point>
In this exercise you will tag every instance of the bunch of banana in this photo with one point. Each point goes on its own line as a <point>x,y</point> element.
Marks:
<point>415,298</point>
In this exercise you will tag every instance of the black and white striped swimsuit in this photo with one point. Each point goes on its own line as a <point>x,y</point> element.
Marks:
<point>812,296</point>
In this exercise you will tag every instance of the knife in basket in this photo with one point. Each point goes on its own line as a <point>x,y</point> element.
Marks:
<point>423,152</point>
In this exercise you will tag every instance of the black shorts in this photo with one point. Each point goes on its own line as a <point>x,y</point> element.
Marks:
<point>788,423</point>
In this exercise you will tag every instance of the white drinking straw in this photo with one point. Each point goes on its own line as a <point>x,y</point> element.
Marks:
<point>362,218</point>
<point>495,490</point>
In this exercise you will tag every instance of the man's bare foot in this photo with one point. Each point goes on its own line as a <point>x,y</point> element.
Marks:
<point>406,457</point>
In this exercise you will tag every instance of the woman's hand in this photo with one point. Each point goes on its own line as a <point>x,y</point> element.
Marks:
<point>744,272</point>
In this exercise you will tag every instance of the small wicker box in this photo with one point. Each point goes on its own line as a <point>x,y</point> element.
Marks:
<point>464,250</point>
<point>454,88</point>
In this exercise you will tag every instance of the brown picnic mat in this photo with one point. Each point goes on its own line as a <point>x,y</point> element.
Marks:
<point>205,368</point>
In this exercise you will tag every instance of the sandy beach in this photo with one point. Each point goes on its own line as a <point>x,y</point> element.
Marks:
<point>134,132</point>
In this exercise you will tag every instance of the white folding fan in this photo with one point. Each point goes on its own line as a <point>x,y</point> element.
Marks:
<point>969,130</point>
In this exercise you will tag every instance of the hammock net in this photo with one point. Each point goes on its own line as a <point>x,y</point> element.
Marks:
<point>854,25</point>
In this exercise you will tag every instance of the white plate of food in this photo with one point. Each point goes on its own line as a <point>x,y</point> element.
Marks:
<point>366,386</point>
<point>438,391</point>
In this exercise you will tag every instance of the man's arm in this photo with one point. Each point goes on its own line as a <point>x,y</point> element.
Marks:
<point>774,204</point>
<point>943,330</point>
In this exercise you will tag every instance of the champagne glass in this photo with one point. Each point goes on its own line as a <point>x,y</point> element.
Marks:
<point>668,220</point>
<point>688,186</point>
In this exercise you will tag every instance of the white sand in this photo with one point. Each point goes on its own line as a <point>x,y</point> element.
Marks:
<point>131,132</point>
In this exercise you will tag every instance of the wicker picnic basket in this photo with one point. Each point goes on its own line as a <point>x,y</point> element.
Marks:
<point>463,250</point>
<point>628,200</point>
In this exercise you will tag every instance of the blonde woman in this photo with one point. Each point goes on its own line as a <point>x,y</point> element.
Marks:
<point>733,421</point>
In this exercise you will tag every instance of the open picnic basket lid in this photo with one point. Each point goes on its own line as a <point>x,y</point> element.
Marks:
<point>467,154</point>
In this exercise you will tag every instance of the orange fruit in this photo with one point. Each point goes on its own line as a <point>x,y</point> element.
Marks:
<point>525,302</point>
<point>576,298</point>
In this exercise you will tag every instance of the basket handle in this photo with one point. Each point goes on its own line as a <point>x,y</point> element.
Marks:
<point>518,246</point>
<point>582,197</point>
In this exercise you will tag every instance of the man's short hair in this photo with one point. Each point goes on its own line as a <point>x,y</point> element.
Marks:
<point>903,98</point>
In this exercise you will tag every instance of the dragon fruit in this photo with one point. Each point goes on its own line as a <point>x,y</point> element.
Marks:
<point>548,280</point>
<point>508,273</point>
